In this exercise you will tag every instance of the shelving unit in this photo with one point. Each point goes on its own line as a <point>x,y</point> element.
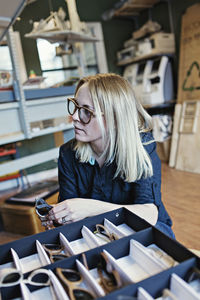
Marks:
<point>132,8</point>
<point>20,110</point>
<point>11,125</point>
<point>158,108</point>
<point>10,152</point>
<point>29,106</point>
<point>24,114</point>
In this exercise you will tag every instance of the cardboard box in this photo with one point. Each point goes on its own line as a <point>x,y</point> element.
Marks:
<point>163,42</point>
<point>189,61</point>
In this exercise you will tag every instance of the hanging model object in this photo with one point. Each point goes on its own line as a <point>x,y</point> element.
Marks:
<point>56,29</point>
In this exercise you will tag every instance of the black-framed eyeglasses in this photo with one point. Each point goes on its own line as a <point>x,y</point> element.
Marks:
<point>85,114</point>
<point>42,208</point>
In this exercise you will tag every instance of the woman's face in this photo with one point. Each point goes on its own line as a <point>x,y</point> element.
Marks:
<point>90,132</point>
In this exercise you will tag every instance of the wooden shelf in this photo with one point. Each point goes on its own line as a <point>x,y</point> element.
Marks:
<point>63,36</point>
<point>144,57</point>
<point>162,108</point>
<point>134,7</point>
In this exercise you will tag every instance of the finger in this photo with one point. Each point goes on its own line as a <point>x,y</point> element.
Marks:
<point>47,223</point>
<point>44,219</point>
<point>59,207</point>
<point>49,227</point>
<point>60,215</point>
<point>65,220</point>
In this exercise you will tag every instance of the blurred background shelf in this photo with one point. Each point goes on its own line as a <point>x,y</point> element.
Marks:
<point>133,7</point>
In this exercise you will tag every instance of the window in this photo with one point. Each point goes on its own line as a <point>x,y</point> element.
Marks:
<point>5,68</point>
<point>59,68</point>
<point>5,62</point>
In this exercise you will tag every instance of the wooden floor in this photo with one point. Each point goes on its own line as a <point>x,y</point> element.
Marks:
<point>181,196</point>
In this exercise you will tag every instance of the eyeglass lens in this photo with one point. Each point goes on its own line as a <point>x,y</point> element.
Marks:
<point>40,278</point>
<point>72,276</point>
<point>11,278</point>
<point>103,231</point>
<point>84,114</point>
<point>82,295</point>
<point>53,247</point>
<point>57,257</point>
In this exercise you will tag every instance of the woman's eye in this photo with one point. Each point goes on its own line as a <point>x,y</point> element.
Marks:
<point>86,112</point>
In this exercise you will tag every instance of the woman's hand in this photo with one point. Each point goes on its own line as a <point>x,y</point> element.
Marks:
<point>76,209</point>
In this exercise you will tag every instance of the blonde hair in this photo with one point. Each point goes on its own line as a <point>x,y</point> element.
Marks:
<point>125,119</point>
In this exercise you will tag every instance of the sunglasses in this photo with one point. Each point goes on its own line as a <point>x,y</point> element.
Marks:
<point>71,280</point>
<point>104,234</point>
<point>11,276</point>
<point>42,208</point>
<point>85,114</point>
<point>112,280</point>
<point>54,252</point>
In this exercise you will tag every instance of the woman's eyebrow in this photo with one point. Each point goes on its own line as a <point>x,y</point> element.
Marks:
<point>85,105</point>
<point>88,106</point>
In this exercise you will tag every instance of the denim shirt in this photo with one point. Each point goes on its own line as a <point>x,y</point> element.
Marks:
<point>88,180</point>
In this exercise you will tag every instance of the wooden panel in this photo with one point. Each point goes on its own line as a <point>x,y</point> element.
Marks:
<point>175,135</point>
<point>188,153</point>
<point>189,118</point>
<point>189,64</point>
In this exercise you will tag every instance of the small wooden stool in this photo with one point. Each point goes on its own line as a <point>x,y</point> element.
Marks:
<point>22,219</point>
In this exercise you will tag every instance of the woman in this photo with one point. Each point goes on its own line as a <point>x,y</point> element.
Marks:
<point>112,161</point>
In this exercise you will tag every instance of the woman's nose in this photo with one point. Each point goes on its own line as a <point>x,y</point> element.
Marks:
<point>75,116</point>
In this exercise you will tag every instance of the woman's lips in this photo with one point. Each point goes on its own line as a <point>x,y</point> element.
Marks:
<point>78,129</point>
